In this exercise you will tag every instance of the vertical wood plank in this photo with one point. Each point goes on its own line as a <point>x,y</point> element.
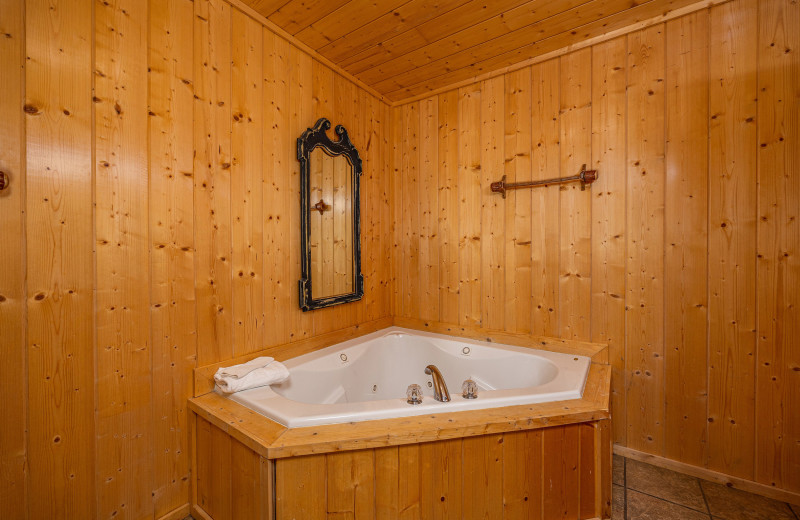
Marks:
<point>492,246</point>
<point>301,109</point>
<point>348,114</point>
<point>386,210</point>
<point>280,287</point>
<point>732,238</point>
<point>214,482</point>
<point>429,209</point>
<point>608,215</point>
<point>778,265</point>
<point>409,209</point>
<point>409,482</point>
<point>440,479</point>
<point>575,264</point>
<point>372,199</point>
<point>124,426</point>
<point>387,473</point>
<point>516,208</point>
<point>247,228</point>
<point>247,495</point>
<point>13,494</point>
<point>323,96</point>
<point>588,472</point>
<point>212,168</point>
<point>560,477</point>
<point>396,189</point>
<point>522,475</point>
<point>172,309</point>
<point>60,343</point>
<point>544,206</point>
<point>298,478</point>
<point>482,489</point>
<point>448,206</point>
<point>351,485</point>
<point>469,197</point>
<point>172,306</point>
<point>686,239</point>
<point>644,299</point>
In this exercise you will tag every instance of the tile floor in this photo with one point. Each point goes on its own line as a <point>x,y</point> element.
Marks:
<point>645,492</point>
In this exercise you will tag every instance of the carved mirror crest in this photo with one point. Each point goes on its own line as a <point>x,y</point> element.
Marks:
<point>330,218</point>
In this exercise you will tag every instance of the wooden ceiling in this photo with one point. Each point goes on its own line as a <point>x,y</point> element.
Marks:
<point>406,48</point>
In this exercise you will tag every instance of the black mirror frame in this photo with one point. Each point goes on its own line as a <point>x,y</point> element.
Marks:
<point>306,143</point>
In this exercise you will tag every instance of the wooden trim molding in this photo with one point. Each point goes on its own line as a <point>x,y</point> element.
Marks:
<point>710,475</point>
<point>178,513</point>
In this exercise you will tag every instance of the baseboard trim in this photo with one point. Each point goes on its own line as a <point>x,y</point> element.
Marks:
<point>707,474</point>
<point>199,514</point>
<point>179,513</point>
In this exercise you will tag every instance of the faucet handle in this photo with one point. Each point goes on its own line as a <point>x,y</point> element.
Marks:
<point>414,394</point>
<point>469,389</point>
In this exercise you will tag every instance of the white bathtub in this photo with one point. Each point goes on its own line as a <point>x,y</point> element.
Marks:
<point>366,378</point>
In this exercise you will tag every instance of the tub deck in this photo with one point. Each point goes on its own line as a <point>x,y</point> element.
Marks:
<point>272,440</point>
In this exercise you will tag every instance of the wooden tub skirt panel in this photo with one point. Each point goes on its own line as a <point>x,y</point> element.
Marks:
<point>538,461</point>
<point>543,473</point>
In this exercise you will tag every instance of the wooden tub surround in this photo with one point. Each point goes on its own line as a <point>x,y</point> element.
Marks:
<point>540,461</point>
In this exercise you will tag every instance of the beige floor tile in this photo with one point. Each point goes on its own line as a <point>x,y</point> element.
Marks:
<point>666,484</point>
<point>617,503</point>
<point>645,507</point>
<point>732,504</point>
<point>618,470</point>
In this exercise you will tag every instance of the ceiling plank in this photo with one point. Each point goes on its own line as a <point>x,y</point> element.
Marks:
<point>401,20</point>
<point>496,36</point>
<point>638,17</point>
<point>344,20</point>
<point>266,7</point>
<point>296,15</point>
<point>470,13</point>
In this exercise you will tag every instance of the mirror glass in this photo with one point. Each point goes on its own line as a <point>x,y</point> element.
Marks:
<point>330,172</point>
<point>330,220</point>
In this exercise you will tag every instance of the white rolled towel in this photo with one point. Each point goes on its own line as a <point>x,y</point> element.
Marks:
<point>261,371</point>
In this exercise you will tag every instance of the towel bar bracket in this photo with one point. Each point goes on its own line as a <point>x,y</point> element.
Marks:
<point>584,177</point>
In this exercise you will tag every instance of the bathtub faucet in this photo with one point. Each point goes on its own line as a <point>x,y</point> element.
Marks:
<point>440,392</point>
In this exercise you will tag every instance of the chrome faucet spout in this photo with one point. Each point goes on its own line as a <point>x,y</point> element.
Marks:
<point>440,392</point>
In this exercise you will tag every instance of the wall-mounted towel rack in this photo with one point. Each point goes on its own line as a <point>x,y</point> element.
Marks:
<point>584,176</point>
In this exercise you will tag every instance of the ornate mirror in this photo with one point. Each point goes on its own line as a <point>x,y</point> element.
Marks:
<point>330,244</point>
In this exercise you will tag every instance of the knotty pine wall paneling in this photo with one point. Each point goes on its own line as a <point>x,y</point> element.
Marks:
<point>686,237</point>
<point>152,219</point>
<point>12,259</point>
<point>122,297</point>
<point>609,75</point>
<point>59,262</point>
<point>777,399</point>
<point>513,224</point>
<point>173,311</point>
<point>644,297</point>
<point>732,237</point>
<point>682,256</point>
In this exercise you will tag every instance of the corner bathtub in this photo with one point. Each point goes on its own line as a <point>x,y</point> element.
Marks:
<point>366,378</point>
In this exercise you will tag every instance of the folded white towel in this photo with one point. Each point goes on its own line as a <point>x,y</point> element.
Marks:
<point>261,371</point>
